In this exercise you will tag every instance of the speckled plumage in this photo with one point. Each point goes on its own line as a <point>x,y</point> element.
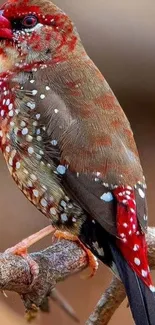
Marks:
<point>65,138</point>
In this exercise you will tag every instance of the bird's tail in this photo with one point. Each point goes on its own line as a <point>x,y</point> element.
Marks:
<point>141,298</point>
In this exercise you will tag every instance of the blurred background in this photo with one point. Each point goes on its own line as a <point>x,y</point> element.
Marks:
<point>119,37</point>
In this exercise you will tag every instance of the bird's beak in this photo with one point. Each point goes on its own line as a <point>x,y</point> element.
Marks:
<point>5,27</point>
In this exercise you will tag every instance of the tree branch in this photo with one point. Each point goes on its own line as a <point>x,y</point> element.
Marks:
<point>56,263</point>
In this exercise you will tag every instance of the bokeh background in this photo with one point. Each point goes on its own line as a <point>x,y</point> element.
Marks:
<point>119,37</point>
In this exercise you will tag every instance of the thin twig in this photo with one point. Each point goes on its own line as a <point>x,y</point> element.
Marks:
<point>61,301</point>
<point>108,304</point>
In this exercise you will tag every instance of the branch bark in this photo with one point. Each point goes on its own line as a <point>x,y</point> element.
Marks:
<point>56,263</point>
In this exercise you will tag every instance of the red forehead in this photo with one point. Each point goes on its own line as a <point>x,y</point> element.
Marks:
<point>13,8</point>
<point>46,11</point>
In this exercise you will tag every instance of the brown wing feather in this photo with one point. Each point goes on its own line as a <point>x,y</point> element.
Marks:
<point>93,135</point>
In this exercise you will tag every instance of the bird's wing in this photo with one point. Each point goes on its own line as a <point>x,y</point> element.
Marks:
<point>94,141</point>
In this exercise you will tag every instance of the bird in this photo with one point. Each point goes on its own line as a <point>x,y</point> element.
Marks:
<point>69,145</point>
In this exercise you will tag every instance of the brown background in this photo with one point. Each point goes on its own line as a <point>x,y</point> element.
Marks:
<point>119,37</point>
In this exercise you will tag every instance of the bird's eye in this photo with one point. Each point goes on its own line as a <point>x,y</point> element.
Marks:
<point>29,21</point>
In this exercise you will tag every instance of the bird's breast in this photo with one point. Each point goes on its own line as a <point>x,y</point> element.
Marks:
<point>23,138</point>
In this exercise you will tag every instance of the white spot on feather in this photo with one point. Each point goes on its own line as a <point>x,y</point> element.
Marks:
<point>141,193</point>
<point>35,123</point>
<point>43,202</point>
<point>135,248</point>
<point>53,211</point>
<point>137,261</point>
<point>64,217</point>
<point>99,250</point>
<point>10,106</point>
<point>29,183</point>
<point>39,138</point>
<point>25,131</point>
<point>37,116</point>
<point>11,113</point>
<point>107,197</point>
<point>29,138</point>
<point>34,92</point>
<point>10,161</point>
<point>33,177</point>
<point>54,142</point>
<point>144,273</point>
<point>42,96</point>
<point>152,288</point>
<point>22,123</point>
<point>61,169</point>
<point>17,165</point>
<point>63,204</point>
<point>31,105</point>
<point>38,131</point>
<point>36,193</point>
<point>7,149</point>
<point>125,225</point>
<point>8,102</point>
<point>30,150</point>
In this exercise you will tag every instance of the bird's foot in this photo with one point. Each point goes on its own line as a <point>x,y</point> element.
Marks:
<point>92,260</point>
<point>21,249</point>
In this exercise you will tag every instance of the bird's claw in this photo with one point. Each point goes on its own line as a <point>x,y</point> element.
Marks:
<point>21,250</point>
<point>92,260</point>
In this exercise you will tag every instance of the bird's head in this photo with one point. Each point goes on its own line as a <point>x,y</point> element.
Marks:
<point>34,32</point>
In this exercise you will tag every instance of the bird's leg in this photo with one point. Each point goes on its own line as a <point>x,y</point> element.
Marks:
<point>92,260</point>
<point>21,248</point>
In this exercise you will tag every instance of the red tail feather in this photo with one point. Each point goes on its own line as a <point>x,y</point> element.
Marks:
<point>132,242</point>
